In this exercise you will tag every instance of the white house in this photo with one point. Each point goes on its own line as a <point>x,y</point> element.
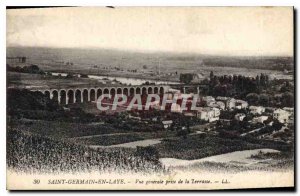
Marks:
<point>221,105</point>
<point>155,104</point>
<point>172,90</point>
<point>167,123</point>
<point>216,112</point>
<point>208,99</point>
<point>228,101</point>
<point>135,117</point>
<point>256,109</point>
<point>190,114</point>
<point>185,96</point>
<point>259,119</point>
<point>208,114</point>
<point>223,99</point>
<point>290,110</point>
<point>218,104</point>
<point>281,115</point>
<point>241,104</point>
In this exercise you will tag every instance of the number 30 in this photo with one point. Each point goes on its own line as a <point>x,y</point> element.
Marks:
<point>36,181</point>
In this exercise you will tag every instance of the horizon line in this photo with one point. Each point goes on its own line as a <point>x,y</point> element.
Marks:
<point>156,51</point>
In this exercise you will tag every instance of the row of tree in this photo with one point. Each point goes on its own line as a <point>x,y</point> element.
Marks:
<point>257,91</point>
<point>33,69</point>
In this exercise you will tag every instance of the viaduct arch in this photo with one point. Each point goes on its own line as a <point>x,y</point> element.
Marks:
<point>79,95</point>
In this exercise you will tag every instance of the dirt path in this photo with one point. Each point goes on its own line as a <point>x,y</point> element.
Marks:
<point>99,135</point>
<point>242,157</point>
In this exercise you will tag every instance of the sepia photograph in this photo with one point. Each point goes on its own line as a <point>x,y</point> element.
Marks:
<point>150,98</point>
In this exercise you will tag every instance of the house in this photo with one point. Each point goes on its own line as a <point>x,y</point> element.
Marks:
<point>172,90</point>
<point>281,115</point>
<point>229,102</point>
<point>240,116</point>
<point>190,78</point>
<point>256,109</point>
<point>216,112</point>
<point>208,114</point>
<point>218,104</point>
<point>190,114</point>
<point>154,119</point>
<point>208,99</point>
<point>260,119</point>
<point>176,108</point>
<point>221,105</point>
<point>167,123</point>
<point>66,109</point>
<point>204,113</point>
<point>135,117</point>
<point>291,121</point>
<point>241,104</point>
<point>290,110</point>
<point>225,122</point>
<point>155,105</point>
<point>170,96</point>
<point>223,99</point>
<point>197,78</point>
<point>185,96</point>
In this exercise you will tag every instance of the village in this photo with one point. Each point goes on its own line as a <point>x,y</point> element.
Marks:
<point>225,115</point>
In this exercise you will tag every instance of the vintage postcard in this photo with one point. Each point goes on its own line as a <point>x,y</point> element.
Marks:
<point>150,98</point>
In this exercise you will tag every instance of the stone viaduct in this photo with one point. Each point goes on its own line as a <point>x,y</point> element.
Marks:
<point>80,95</point>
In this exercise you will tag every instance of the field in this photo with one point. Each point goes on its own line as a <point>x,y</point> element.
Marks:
<point>121,138</point>
<point>60,130</point>
<point>31,153</point>
<point>148,65</point>
<point>195,146</point>
<point>205,145</point>
<point>84,133</point>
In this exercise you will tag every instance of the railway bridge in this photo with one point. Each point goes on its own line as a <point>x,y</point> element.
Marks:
<point>88,94</point>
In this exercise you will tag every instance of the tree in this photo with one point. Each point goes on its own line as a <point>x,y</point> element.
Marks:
<point>182,133</point>
<point>186,78</point>
<point>84,76</point>
<point>211,75</point>
<point>277,125</point>
<point>269,120</point>
<point>287,99</point>
<point>262,79</point>
<point>264,99</point>
<point>257,80</point>
<point>188,126</point>
<point>252,98</point>
<point>69,76</point>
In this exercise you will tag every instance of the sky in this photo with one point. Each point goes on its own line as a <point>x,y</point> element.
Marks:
<point>237,31</point>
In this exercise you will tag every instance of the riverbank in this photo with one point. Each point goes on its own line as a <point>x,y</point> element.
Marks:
<point>125,75</point>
